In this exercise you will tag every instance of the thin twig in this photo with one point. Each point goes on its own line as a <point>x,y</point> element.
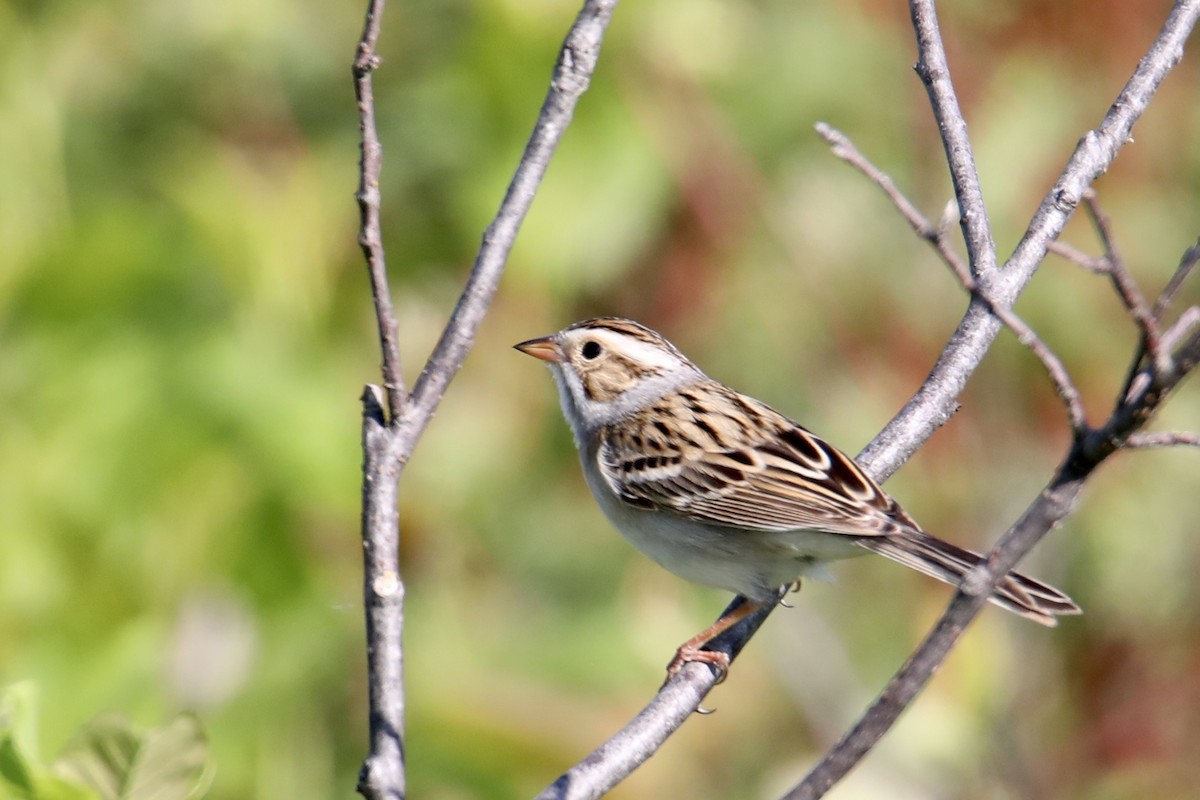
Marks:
<point>934,72</point>
<point>1054,366</point>
<point>936,400</point>
<point>1052,505</point>
<point>572,74</point>
<point>1095,265</point>
<point>1186,264</point>
<point>1112,266</point>
<point>370,237</point>
<point>1163,439</point>
<point>1188,321</point>
<point>845,149</point>
<point>1126,288</point>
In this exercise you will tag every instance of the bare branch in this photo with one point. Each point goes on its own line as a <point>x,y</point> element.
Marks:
<point>1092,157</point>
<point>572,74</point>
<point>1095,265</point>
<point>1051,506</point>
<point>936,401</point>
<point>1186,264</point>
<point>934,72</point>
<point>387,444</point>
<point>370,237</point>
<point>1097,149</point>
<point>383,773</point>
<point>1188,321</point>
<point>1184,327</point>
<point>1057,371</point>
<point>1126,288</point>
<point>382,776</point>
<point>845,149</point>
<point>675,702</point>
<point>1163,439</point>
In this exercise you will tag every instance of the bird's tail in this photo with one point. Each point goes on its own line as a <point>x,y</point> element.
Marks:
<point>1017,593</point>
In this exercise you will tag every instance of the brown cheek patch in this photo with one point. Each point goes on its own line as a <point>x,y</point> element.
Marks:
<point>605,385</point>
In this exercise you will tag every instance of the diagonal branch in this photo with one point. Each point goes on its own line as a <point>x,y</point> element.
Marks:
<point>572,74</point>
<point>1163,439</point>
<point>1077,257</point>
<point>1096,150</point>
<point>1053,504</point>
<point>625,751</point>
<point>936,400</point>
<point>845,149</point>
<point>1186,264</point>
<point>1127,289</point>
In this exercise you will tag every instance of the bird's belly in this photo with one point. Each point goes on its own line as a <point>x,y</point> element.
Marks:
<point>753,563</point>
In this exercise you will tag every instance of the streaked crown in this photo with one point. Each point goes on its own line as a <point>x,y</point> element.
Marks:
<point>611,355</point>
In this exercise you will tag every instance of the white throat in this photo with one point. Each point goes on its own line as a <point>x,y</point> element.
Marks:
<point>586,416</point>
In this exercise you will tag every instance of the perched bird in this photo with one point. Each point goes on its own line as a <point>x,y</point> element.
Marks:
<point>725,491</point>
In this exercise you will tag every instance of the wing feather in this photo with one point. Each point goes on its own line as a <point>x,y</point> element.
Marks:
<point>743,465</point>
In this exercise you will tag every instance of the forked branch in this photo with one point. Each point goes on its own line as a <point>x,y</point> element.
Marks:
<point>938,238</point>
<point>1150,387</point>
<point>388,442</point>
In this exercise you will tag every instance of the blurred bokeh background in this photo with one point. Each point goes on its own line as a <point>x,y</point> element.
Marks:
<point>185,327</point>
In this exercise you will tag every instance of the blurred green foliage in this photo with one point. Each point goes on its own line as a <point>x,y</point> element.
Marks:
<point>185,327</point>
<point>108,759</point>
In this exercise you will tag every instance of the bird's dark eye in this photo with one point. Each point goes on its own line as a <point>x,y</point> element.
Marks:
<point>590,349</point>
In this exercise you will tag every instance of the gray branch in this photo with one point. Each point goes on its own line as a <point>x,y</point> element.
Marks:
<point>1053,504</point>
<point>388,443</point>
<point>382,776</point>
<point>573,73</point>
<point>934,72</point>
<point>936,401</point>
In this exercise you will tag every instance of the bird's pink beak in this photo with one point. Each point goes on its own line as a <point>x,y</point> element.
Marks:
<point>544,348</point>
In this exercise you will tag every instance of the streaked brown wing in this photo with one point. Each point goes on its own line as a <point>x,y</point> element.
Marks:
<point>785,478</point>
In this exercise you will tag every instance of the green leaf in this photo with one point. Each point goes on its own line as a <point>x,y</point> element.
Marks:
<point>18,718</point>
<point>15,771</point>
<point>20,773</point>
<point>174,762</point>
<point>121,763</point>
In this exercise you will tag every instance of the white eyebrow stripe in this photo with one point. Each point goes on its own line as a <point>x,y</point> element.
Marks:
<point>641,352</point>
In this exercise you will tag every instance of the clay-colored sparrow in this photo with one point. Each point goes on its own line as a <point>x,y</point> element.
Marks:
<point>725,491</point>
